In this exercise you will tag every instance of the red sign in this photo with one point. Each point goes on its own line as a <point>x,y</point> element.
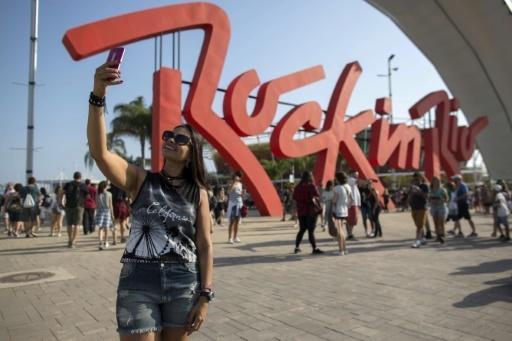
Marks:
<point>396,144</point>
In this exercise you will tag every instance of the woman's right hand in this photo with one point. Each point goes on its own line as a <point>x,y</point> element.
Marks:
<point>105,75</point>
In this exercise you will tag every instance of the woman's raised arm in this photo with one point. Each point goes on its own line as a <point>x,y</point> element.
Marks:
<point>121,173</point>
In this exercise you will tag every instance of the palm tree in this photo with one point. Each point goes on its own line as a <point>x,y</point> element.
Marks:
<point>114,144</point>
<point>134,120</point>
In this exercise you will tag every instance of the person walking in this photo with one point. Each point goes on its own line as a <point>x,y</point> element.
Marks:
<point>366,208</point>
<point>75,193</point>
<point>218,211</point>
<point>9,191</point>
<point>104,215</point>
<point>305,194</point>
<point>57,211</point>
<point>165,283</point>
<point>14,210</point>
<point>89,207</point>
<point>461,198</point>
<point>355,204</point>
<point>437,198</point>
<point>502,211</point>
<point>326,198</point>
<point>375,209</point>
<point>121,210</point>
<point>417,197</point>
<point>341,202</point>
<point>30,196</point>
<point>235,203</point>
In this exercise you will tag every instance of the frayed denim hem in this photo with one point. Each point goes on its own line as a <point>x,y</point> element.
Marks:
<point>140,331</point>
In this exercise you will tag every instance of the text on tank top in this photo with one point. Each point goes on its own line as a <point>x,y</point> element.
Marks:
<point>163,222</point>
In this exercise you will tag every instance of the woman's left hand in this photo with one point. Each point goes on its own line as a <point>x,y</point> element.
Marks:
<point>197,316</point>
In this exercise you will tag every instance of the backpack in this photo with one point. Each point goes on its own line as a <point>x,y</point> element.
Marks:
<point>14,205</point>
<point>29,201</point>
<point>47,201</point>
<point>72,195</point>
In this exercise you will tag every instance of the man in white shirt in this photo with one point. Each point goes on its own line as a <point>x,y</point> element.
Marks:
<point>353,210</point>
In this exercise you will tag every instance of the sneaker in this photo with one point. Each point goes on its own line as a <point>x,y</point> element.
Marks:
<point>423,241</point>
<point>297,250</point>
<point>416,244</point>
<point>473,235</point>
<point>341,253</point>
<point>237,240</point>
<point>100,247</point>
<point>230,241</point>
<point>107,245</point>
<point>317,251</point>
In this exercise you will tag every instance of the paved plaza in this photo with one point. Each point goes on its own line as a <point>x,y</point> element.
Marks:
<point>383,290</point>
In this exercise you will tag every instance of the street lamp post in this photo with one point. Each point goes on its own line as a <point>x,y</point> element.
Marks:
<point>388,75</point>
<point>390,93</point>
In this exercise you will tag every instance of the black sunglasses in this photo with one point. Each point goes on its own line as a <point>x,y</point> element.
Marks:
<point>179,139</point>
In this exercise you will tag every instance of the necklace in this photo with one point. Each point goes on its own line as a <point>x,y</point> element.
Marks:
<point>174,181</point>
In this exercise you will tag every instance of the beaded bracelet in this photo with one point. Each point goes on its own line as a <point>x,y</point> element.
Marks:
<point>96,101</point>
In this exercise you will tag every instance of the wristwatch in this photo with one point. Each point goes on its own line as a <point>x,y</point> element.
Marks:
<point>208,294</point>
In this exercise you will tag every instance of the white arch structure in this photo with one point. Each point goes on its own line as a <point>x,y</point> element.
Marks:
<point>470,44</point>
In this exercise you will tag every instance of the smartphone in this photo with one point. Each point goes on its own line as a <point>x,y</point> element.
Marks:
<point>116,55</point>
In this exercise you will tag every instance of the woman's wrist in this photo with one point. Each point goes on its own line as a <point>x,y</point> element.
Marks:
<point>99,90</point>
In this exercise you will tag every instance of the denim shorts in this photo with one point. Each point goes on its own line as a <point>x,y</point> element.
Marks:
<point>151,297</point>
<point>438,211</point>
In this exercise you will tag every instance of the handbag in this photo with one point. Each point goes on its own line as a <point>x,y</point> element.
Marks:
<point>243,211</point>
<point>317,207</point>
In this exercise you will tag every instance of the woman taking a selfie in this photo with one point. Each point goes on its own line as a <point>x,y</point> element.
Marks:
<point>165,283</point>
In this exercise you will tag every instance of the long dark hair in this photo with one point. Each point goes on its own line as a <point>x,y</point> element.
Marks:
<point>194,170</point>
<point>328,186</point>
<point>102,186</point>
<point>307,178</point>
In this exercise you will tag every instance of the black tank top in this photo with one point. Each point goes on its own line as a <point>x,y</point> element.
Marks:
<point>163,225</point>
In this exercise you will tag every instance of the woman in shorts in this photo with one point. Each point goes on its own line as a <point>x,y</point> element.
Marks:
<point>341,201</point>
<point>104,215</point>
<point>165,283</point>
<point>437,198</point>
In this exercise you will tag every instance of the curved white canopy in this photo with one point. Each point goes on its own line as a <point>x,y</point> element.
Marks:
<point>470,44</point>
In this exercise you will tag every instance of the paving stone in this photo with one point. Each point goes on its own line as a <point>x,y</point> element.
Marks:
<point>383,290</point>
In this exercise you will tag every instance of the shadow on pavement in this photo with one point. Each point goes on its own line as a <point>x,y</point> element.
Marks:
<point>485,268</point>
<point>501,291</point>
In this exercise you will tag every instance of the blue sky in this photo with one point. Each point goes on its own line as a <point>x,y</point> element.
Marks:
<point>273,37</point>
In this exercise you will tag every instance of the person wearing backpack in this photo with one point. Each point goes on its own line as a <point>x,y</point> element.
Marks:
<point>46,204</point>
<point>13,208</point>
<point>75,193</point>
<point>30,202</point>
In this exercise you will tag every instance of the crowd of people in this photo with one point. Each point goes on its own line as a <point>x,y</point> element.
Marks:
<point>103,207</point>
<point>82,205</point>
<point>340,203</point>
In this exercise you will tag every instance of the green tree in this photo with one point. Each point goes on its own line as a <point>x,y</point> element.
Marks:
<point>114,144</point>
<point>134,119</point>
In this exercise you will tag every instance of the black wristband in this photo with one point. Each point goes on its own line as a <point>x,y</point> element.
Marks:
<point>96,101</point>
